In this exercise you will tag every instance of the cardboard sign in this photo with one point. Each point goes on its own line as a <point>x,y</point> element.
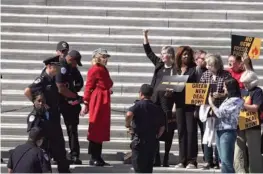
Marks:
<point>245,44</point>
<point>175,83</point>
<point>196,93</point>
<point>248,119</point>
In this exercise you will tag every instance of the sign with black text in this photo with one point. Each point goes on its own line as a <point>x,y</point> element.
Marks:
<point>245,44</point>
<point>175,83</point>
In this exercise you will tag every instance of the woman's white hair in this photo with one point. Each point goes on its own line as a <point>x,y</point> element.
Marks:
<point>215,61</point>
<point>250,78</point>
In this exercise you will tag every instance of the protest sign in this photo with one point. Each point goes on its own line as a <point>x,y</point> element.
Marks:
<point>247,119</point>
<point>245,44</point>
<point>175,83</point>
<point>196,93</point>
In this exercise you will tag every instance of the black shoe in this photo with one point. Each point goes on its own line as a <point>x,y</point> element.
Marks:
<point>76,160</point>
<point>157,164</point>
<point>207,166</point>
<point>2,161</point>
<point>216,166</point>
<point>103,162</point>
<point>93,162</point>
<point>166,161</point>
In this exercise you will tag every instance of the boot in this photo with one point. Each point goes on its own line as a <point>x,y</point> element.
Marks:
<point>157,160</point>
<point>166,160</point>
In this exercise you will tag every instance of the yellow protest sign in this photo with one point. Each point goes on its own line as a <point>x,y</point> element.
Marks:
<point>248,119</point>
<point>245,44</point>
<point>196,93</point>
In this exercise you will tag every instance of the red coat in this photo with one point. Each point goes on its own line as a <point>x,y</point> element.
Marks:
<point>97,93</point>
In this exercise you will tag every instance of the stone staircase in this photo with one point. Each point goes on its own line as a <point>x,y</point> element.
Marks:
<point>32,28</point>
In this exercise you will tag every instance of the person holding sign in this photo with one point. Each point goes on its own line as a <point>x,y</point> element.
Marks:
<point>164,66</point>
<point>226,123</point>
<point>186,122</point>
<point>216,76</point>
<point>249,133</point>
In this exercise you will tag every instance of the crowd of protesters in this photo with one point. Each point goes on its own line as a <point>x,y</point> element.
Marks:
<point>218,120</point>
<point>224,145</point>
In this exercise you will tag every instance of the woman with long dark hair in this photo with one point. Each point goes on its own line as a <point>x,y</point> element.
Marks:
<point>186,122</point>
<point>226,123</point>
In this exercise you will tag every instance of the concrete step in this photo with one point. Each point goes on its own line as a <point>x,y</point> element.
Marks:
<point>113,66</point>
<point>119,167</point>
<point>119,99</point>
<point>125,30</point>
<point>118,87</point>
<point>141,77</point>
<point>118,131</point>
<point>116,76</point>
<point>119,143</point>
<point>130,21</point>
<point>112,155</point>
<point>136,12</point>
<point>138,48</point>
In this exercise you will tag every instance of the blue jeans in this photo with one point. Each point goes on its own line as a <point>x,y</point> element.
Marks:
<point>225,142</point>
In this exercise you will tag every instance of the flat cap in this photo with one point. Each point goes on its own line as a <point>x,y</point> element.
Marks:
<point>146,90</point>
<point>76,55</point>
<point>52,61</point>
<point>62,45</point>
<point>100,51</point>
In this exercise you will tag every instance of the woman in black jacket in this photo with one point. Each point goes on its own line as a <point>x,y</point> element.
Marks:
<point>186,122</point>
<point>164,66</point>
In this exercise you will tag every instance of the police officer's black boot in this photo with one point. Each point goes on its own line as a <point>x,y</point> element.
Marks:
<point>157,159</point>
<point>166,160</point>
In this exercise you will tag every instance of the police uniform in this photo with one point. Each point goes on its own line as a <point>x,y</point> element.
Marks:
<point>70,77</point>
<point>46,84</point>
<point>28,158</point>
<point>147,120</point>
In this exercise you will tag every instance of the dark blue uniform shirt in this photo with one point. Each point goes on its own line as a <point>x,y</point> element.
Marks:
<point>28,158</point>
<point>148,118</point>
<point>48,87</point>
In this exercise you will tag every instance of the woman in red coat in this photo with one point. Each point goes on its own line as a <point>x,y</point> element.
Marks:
<point>98,104</point>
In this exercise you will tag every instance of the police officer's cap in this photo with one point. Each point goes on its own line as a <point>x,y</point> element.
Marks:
<point>52,61</point>
<point>146,90</point>
<point>100,51</point>
<point>35,134</point>
<point>76,55</point>
<point>62,45</point>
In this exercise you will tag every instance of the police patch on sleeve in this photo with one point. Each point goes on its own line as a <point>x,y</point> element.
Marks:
<point>63,70</point>
<point>38,80</point>
<point>31,118</point>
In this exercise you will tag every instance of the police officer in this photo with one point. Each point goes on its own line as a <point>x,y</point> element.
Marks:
<point>28,157</point>
<point>70,101</point>
<point>45,83</point>
<point>147,125</point>
<point>62,51</point>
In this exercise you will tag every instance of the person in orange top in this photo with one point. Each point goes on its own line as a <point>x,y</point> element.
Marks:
<point>98,104</point>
